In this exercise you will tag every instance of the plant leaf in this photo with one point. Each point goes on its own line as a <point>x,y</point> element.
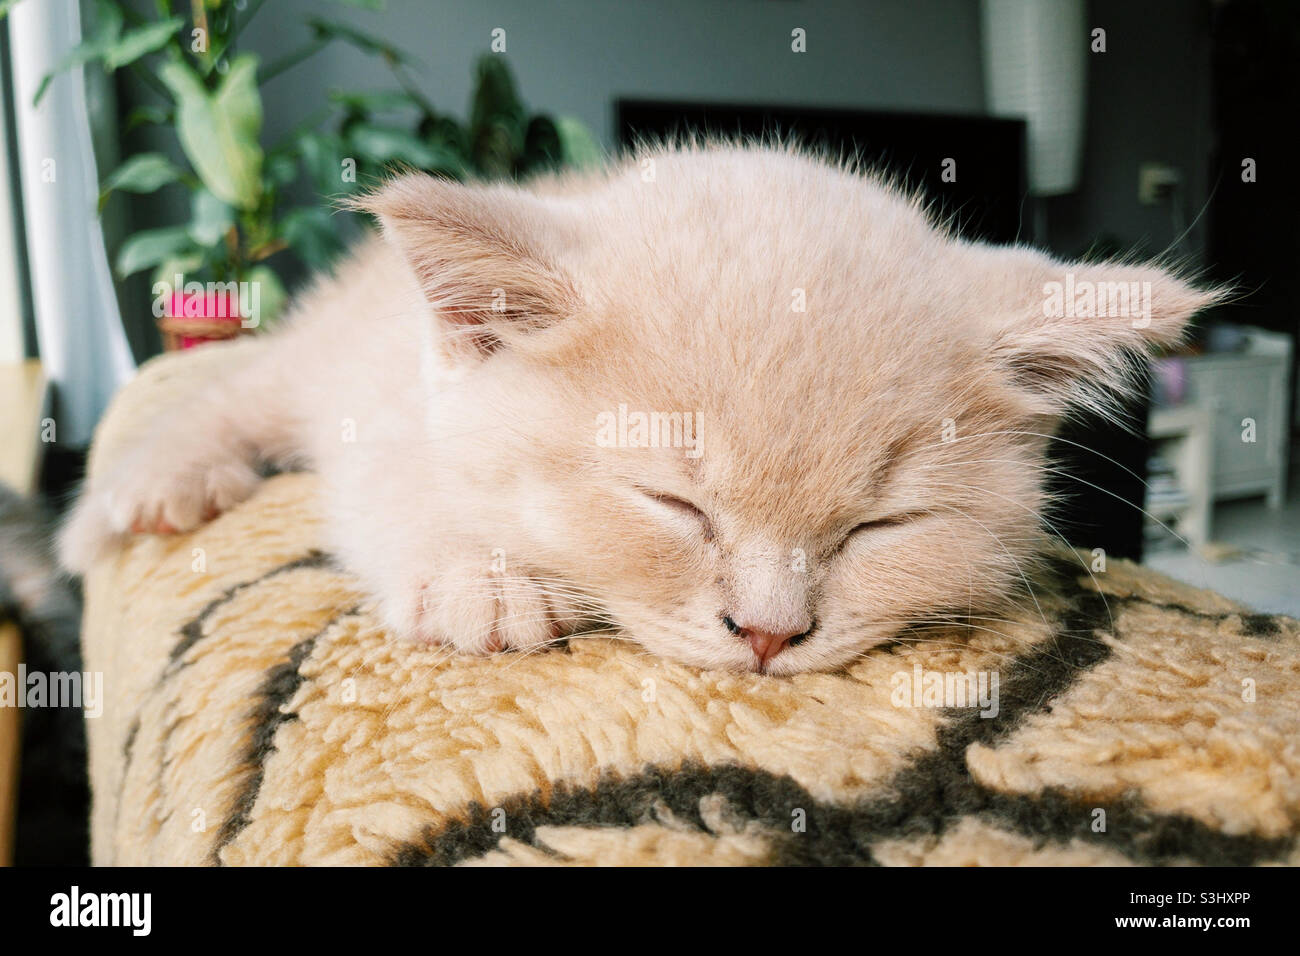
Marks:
<point>542,147</point>
<point>322,161</point>
<point>108,26</point>
<point>498,120</point>
<point>388,144</point>
<point>495,95</point>
<point>148,248</point>
<point>444,132</point>
<point>375,101</point>
<point>140,174</point>
<point>209,218</point>
<point>171,267</point>
<point>360,39</point>
<point>447,161</point>
<point>312,235</point>
<point>269,290</point>
<point>134,44</point>
<point>495,149</point>
<point>219,131</point>
<point>578,145</point>
<point>280,169</point>
<point>145,114</point>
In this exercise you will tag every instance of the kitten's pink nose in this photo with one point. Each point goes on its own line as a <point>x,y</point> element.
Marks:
<point>765,643</point>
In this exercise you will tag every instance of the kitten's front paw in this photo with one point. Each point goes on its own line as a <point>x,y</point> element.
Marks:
<point>153,497</point>
<point>476,612</point>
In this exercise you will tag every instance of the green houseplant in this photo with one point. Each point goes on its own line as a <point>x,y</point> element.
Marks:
<point>247,208</point>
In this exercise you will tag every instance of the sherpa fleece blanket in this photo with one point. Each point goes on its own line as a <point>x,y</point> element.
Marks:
<point>256,713</point>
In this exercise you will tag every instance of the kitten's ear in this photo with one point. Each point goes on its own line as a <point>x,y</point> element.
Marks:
<point>1074,334</point>
<point>483,255</point>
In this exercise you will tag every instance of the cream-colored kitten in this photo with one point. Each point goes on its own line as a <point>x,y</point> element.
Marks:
<point>745,404</point>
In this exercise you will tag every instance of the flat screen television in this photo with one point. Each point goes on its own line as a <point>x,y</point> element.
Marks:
<point>986,195</point>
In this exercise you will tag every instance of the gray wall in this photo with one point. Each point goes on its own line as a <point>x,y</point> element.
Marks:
<point>1149,99</point>
<point>1148,95</point>
<point>576,56</point>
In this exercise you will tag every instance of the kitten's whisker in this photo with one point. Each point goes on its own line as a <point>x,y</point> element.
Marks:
<point>1065,474</point>
<point>609,634</point>
<point>970,567</point>
<point>1014,560</point>
<point>916,650</point>
<point>1086,636</point>
<point>1020,431</point>
<point>1052,528</point>
<point>918,642</point>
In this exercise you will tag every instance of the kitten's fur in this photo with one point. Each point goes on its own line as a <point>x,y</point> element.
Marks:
<point>474,347</point>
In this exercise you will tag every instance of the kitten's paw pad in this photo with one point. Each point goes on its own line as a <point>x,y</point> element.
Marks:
<point>475,613</point>
<point>150,500</point>
<point>163,502</point>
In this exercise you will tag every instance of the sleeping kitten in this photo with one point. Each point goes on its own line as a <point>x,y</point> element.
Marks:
<point>748,405</point>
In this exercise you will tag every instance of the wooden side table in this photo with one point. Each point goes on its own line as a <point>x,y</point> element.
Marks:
<point>23,403</point>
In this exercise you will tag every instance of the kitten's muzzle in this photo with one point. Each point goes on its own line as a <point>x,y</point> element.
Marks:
<point>766,643</point>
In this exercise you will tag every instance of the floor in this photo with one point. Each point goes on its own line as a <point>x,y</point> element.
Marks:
<point>1254,558</point>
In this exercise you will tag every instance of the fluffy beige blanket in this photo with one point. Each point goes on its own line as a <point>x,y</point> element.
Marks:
<point>256,713</point>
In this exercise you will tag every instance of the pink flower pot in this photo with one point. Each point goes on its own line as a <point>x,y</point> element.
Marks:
<point>193,319</point>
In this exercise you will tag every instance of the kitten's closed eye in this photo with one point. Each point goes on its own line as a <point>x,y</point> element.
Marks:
<point>682,508</point>
<point>903,517</point>
<point>879,524</point>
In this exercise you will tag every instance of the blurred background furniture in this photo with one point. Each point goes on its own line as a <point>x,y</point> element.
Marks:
<point>1246,391</point>
<point>23,397</point>
<point>1180,474</point>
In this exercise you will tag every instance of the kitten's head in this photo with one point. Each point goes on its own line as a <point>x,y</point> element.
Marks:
<point>756,405</point>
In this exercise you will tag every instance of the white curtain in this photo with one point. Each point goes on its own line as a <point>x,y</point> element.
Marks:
<point>78,327</point>
<point>11,301</point>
